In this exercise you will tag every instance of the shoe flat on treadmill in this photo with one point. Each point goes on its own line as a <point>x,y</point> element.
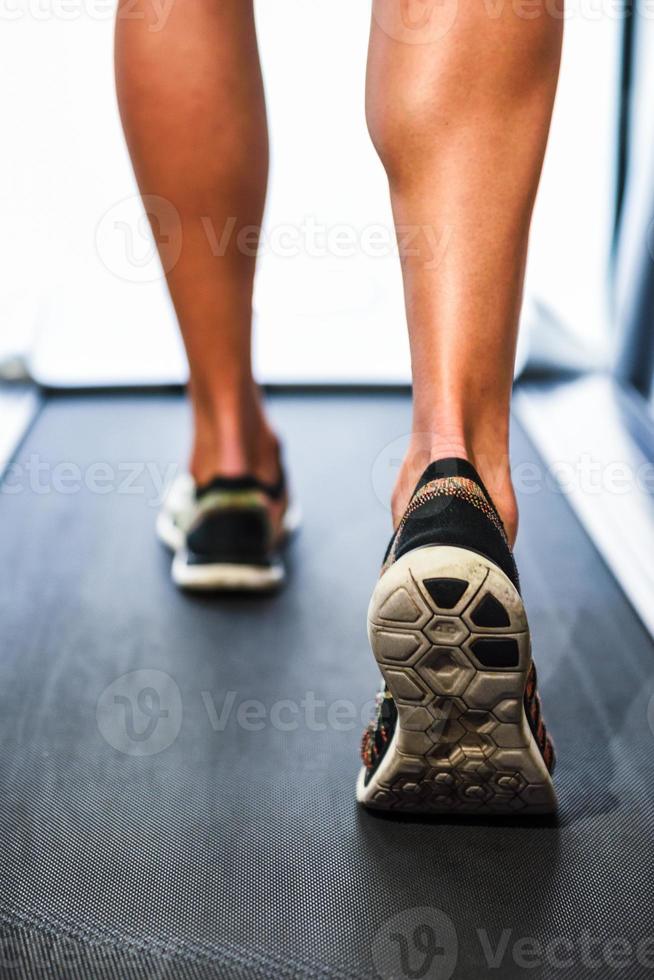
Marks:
<point>223,534</point>
<point>458,727</point>
<point>177,512</point>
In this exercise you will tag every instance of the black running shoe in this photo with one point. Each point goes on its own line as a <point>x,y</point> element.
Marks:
<point>224,537</point>
<point>458,727</point>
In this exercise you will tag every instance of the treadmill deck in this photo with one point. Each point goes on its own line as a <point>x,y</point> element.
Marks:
<point>210,828</point>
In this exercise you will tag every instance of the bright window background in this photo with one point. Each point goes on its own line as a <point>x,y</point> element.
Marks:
<point>637,233</point>
<point>88,311</point>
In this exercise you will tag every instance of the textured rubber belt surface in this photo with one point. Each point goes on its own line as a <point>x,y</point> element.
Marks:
<point>237,850</point>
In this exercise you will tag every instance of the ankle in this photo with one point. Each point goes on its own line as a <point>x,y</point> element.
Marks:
<point>493,467</point>
<point>232,441</point>
<point>495,471</point>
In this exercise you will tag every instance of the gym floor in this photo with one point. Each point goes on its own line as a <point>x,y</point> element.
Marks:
<point>177,773</point>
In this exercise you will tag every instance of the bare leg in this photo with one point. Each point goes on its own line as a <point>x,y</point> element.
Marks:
<point>192,105</point>
<point>460,123</point>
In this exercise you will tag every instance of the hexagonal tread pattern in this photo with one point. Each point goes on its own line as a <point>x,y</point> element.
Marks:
<point>463,742</point>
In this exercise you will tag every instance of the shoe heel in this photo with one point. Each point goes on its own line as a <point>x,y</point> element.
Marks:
<point>449,632</point>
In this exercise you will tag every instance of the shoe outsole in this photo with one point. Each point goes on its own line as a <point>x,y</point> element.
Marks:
<point>225,577</point>
<point>462,743</point>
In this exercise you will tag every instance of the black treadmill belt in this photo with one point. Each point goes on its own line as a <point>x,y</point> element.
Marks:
<point>237,850</point>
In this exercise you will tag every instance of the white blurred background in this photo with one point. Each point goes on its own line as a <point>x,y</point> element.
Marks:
<point>82,300</point>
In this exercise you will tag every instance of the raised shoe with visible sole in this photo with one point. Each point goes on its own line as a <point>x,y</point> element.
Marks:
<point>459,727</point>
<point>222,534</point>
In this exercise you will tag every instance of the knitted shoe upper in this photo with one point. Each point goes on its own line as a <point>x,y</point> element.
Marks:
<point>451,506</point>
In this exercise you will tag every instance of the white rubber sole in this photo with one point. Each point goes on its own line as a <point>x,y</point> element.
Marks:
<point>462,743</point>
<point>223,577</point>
